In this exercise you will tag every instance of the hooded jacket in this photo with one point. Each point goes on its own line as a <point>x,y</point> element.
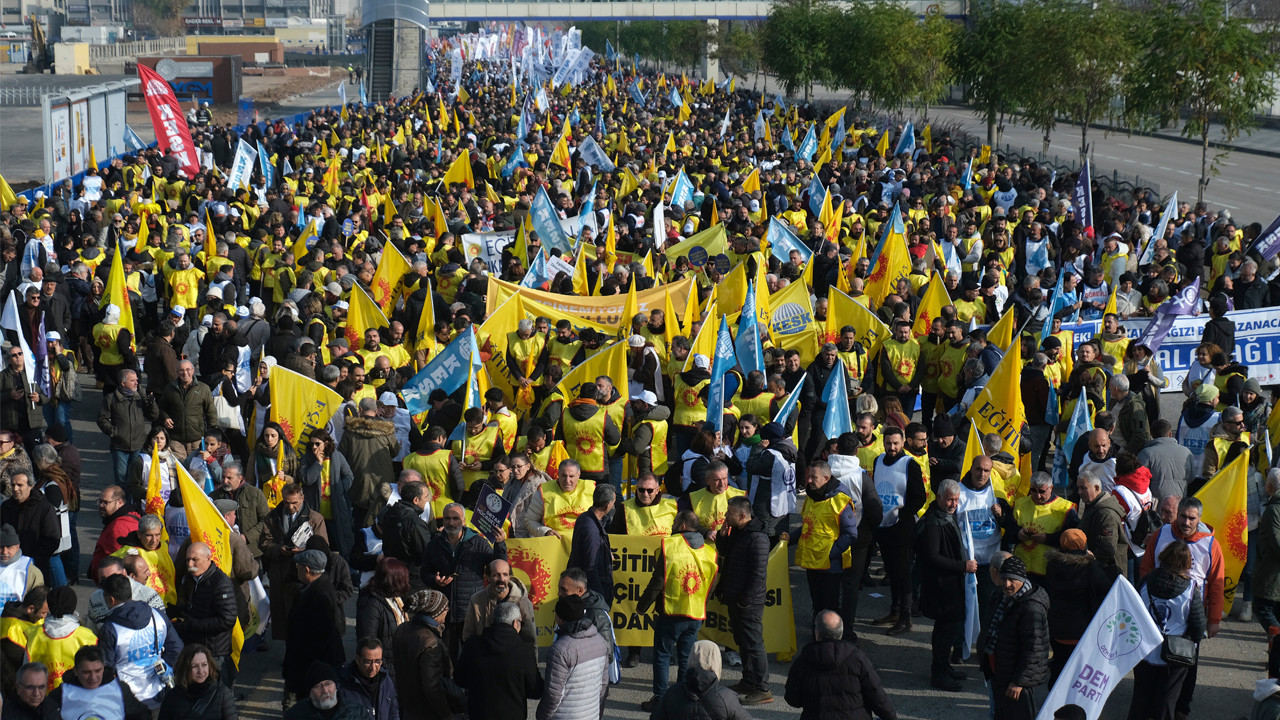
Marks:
<point>135,615</point>
<point>500,671</point>
<point>1022,649</point>
<point>1077,585</point>
<point>702,697</point>
<point>369,444</point>
<point>834,680</point>
<point>577,674</point>
<point>1102,522</point>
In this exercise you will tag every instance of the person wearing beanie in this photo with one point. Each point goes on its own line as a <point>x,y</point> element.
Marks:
<point>1196,425</point>
<point>1013,650</point>
<point>313,633</point>
<point>1077,584</point>
<point>577,674</point>
<point>418,651</point>
<point>944,448</point>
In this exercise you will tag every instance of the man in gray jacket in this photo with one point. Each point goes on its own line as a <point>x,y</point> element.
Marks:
<point>1167,460</point>
<point>126,418</point>
<point>577,675</point>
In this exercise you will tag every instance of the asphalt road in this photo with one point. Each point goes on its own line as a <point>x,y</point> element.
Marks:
<point>1229,664</point>
<point>1247,184</point>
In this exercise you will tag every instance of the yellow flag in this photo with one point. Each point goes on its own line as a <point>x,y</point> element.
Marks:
<point>398,137</point>
<point>560,155</point>
<point>427,322</point>
<point>210,247</point>
<point>210,527</point>
<point>611,244</point>
<point>1110,309</point>
<point>671,328</point>
<point>155,487</point>
<point>580,286</point>
<point>624,148</point>
<point>93,158</point>
<point>685,111</point>
<point>713,241</point>
<point>362,314</point>
<point>300,405</point>
<point>843,310</point>
<point>439,220</point>
<point>7,196</point>
<point>331,178</point>
<point>935,298</point>
<point>972,449</point>
<point>882,147</point>
<point>752,183</point>
<point>388,210</point>
<point>705,342</point>
<point>117,294</point>
<point>611,361</point>
<point>791,325</point>
<point>386,278</point>
<point>998,408</point>
<point>670,147</point>
<point>444,116</point>
<point>984,157</point>
<point>630,309</point>
<point>715,213</point>
<point>463,95</point>
<point>691,314</point>
<point>460,171</point>
<point>894,263</point>
<point>629,183</point>
<point>731,292</point>
<point>928,139</point>
<point>300,245</point>
<point>1226,503</point>
<point>1001,334</point>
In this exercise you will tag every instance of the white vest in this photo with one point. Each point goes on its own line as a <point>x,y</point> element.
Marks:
<point>13,579</point>
<point>782,486</point>
<point>891,486</point>
<point>686,469</point>
<point>1105,471</point>
<point>1174,611</point>
<point>1196,439</point>
<point>64,521</point>
<point>975,512</point>
<point>1133,505</point>
<point>137,652</point>
<point>105,702</point>
<point>847,470</point>
<point>1100,294</point>
<point>1201,554</point>
<point>373,545</point>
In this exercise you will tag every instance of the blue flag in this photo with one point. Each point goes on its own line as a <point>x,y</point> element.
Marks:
<point>546,222</point>
<point>907,142</point>
<point>268,170</point>
<point>1055,304</point>
<point>588,203</point>
<point>968,176</point>
<point>676,100</point>
<point>789,405</point>
<point>837,420</point>
<point>1051,409</point>
<point>782,240</point>
<point>721,364</point>
<point>286,168</point>
<point>807,147</point>
<point>817,193</point>
<point>364,98</point>
<point>1149,250</point>
<point>608,50</point>
<point>748,344</point>
<point>516,161</point>
<point>681,190</point>
<point>522,127</point>
<point>1077,427</point>
<point>972,621</point>
<point>1186,302</point>
<point>637,97</point>
<point>132,140</point>
<point>787,141</point>
<point>599,120</point>
<point>1082,200</point>
<point>537,275</point>
<point>758,128</point>
<point>574,117</point>
<point>446,371</point>
<point>837,140</point>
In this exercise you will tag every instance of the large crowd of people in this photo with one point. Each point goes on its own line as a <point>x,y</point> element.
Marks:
<point>372,508</point>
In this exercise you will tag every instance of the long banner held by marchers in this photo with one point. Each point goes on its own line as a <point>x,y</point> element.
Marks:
<point>602,310</point>
<point>168,121</point>
<point>1120,634</point>
<point>1257,343</point>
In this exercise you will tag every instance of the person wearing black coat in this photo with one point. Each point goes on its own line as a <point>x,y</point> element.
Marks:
<point>1077,584</point>
<point>744,562</point>
<point>941,557</point>
<point>206,611</point>
<point>1014,648</point>
<point>832,679</point>
<point>191,700</point>
<point>590,547</point>
<point>313,633</point>
<point>701,698</point>
<point>35,519</point>
<point>499,669</point>
<point>405,535</point>
<point>365,681</point>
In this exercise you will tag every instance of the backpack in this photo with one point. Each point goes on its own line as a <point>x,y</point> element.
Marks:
<point>1148,523</point>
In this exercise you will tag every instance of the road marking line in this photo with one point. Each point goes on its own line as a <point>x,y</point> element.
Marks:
<point>1135,147</point>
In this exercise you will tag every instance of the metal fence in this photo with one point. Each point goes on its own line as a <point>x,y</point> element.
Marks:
<point>27,95</point>
<point>131,50</point>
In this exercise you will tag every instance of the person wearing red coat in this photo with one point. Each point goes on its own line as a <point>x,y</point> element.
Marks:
<point>118,520</point>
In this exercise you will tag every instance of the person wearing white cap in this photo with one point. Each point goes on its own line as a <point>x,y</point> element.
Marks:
<point>114,343</point>
<point>389,409</point>
<point>647,441</point>
<point>644,367</point>
<point>690,406</point>
<point>63,383</point>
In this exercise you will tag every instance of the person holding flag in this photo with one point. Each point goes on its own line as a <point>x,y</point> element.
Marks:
<point>940,552</point>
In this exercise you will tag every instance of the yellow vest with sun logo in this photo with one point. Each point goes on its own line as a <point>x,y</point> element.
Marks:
<point>690,572</point>
<point>711,508</point>
<point>584,439</point>
<point>821,527</point>
<point>560,509</point>
<point>903,358</point>
<point>476,448</point>
<point>690,408</point>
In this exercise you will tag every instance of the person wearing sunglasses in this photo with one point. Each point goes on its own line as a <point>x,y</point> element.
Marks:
<point>20,400</point>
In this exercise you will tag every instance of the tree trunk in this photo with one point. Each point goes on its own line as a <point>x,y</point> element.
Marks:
<point>1204,162</point>
<point>1084,143</point>
<point>991,128</point>
<point>1045,148</point>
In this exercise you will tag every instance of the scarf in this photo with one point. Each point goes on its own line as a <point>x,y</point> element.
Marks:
<point>997,617</point>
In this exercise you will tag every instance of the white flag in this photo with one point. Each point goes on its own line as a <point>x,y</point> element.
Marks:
<point>972,621</point>
<point>242,166</point>
<point>1120,634</point>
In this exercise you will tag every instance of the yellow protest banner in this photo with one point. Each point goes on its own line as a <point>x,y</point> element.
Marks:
<point>300,405</point>
<point>791,325</point>
<point>537,563</point>
<point>210,527</point>
<point>600,310</point>
<point>702,247</point>
<point>118,294</point>
<point>636,559</point>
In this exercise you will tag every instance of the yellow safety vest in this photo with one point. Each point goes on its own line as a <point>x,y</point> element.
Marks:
<point>821,527</point>
<point>867,455</point>
<point>930,354</point>
<point>105,336</point>
<point>1047,518</point>
<point>922,460</point>
<point>949,364</point>
<point>58,654</point>
<point>854,362</point>
<point>584,439</point>
<point>903,358</point>
<point>651,520</point>
<point>507,425</point>
<point>478,448</point>
<point>524,350</point>
<point>658,450</point>
<point>690,408</point>
<point>690,573</point>
<point>434,468</point>
<point>16,630</point>
<point>562,354</point>
<point>560,510</point>
<point>758,406</point>
<point>1116,349</point>
<point>711,508</point>
<point>968,309</point>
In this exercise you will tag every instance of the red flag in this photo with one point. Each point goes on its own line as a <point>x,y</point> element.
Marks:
<point>167,120</point>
